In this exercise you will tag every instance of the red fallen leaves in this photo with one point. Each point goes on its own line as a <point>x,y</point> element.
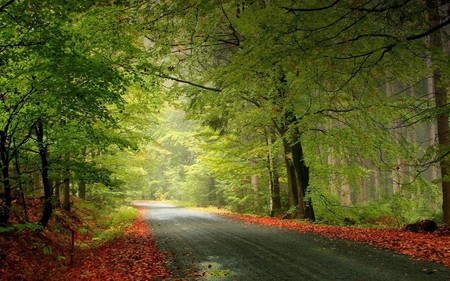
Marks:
<point>132,257</point>
<point>421,246</point>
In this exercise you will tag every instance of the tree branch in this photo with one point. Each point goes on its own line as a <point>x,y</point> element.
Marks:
<point>428,32</point>
<point>191,83</point>
<point>375,10</point>
<point>6,5</point>
<point>312,9</point>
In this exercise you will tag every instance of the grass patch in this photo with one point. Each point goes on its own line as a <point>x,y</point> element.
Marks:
<point>103,223</point>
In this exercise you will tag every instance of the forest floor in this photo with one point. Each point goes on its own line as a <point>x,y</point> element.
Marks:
<point>27,254</point>
<point>135,255</point>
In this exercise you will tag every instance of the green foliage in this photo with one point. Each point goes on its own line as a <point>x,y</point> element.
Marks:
<point>391,211</point>
<point>116,215</point>
<point>123,216</point>
<point>349,86</point>
<point>109,221</point>
<point>47,250</point>
<point>19,227</point>
<point>110,234</point>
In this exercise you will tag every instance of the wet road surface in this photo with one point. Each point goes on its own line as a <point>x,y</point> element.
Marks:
<point>225,249</point>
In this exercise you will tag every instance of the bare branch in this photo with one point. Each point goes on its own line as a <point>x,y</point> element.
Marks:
<point>191,83</point>
<point>374,10</point>
<point>312,9</point>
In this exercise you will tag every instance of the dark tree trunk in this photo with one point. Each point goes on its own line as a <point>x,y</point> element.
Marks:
<point>66,191</point>
<point>441,100</point>
<point>82,182</point>
<point>297,170</point>
<point>82,189</point>
<point>43,154</point>
<point>6,200</point>
<point>274,180</point>
<point>276,194</point>
<point>298,174</point>
<point>56,188</point>
<point>290,172</point>
<point>302,181</point>
<point>22,194</point>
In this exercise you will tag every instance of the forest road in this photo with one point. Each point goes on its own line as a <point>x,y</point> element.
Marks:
<point>225,249</point>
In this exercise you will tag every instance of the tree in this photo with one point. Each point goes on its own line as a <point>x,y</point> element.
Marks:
<point>441,99</point>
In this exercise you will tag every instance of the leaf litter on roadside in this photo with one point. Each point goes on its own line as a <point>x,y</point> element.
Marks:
<point>131,257</point>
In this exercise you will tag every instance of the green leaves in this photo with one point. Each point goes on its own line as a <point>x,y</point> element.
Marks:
<point>19,227</point>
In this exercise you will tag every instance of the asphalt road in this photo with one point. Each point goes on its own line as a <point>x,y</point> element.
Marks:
<point>225,249</point>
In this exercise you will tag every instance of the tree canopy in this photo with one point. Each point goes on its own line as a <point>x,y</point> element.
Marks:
<point>323,110</point>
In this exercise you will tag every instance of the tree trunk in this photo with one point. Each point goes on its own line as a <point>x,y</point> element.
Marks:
<point>6,201</point>
<point>43,154</point>
<point>82,182</point>
<point>57,188</point>
<point>290,172</point>
<point>297,171</point>
<point>66,191</point>
<point>440,96</point>
<point>19,182</point>
<point>302,181</point>
<point>254,183</point>
<point>276,193</point>
<point>211,191</point>
<point>82,189</point>
<point>432,128</point>
<point>274,179</point>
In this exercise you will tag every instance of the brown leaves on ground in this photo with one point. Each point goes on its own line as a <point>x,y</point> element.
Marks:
<point>132,257</point>
<point>421,246</point>
<point>45,255</point>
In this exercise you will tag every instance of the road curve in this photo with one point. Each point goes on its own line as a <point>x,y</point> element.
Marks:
<point>225,249</point>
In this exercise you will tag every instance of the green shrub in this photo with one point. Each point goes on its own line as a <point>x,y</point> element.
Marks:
<point>19,227</point>
<point>107,235</point>
<point>115,220</point>
<point>123,216</point>
<point>109,222</point>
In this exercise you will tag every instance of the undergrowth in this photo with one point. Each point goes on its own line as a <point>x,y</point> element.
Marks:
<point>391,211</point>
<point>30,252</point>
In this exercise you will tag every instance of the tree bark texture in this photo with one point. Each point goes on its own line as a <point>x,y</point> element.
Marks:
<point>66,191</point>
<point>441,100</point>
<point>82,182</point>
<point>6,194</point>
<point>274,179</point>
<point>302,181</point>
<point>298,177</point>
<point>43,154</point>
